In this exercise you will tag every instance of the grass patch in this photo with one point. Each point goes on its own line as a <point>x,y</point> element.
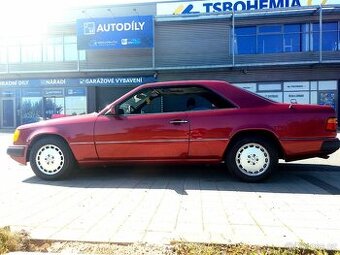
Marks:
<point>13,241</point>
<point>20,241</point>
<point>184,248</point>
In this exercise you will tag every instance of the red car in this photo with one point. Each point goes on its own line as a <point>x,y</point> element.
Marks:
<point>181,122</point>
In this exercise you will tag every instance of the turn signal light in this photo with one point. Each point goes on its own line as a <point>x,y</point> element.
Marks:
<point>332,124</point>
<point>16,135</point>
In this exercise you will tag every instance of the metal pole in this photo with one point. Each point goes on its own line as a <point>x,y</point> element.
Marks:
<point>320,35</point>
<point>233,37</point>
<point>153,46</point>
<point>78,63</point>
<point>7,56</point>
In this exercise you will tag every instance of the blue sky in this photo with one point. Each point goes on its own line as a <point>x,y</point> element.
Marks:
<point>17,17</point>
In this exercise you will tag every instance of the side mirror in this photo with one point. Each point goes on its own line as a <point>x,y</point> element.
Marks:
<point>112,111</point>
<point>115,111</point>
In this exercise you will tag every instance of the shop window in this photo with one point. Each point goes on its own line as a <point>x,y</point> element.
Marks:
<point>53,49</point>
<point>14,54</point>
<point>292,38</point>
<point>54,106</point>
<point>286,38</point>
<point>34,50</point>
<point>70,47</point>
<point>31,53</point>
<point>339,36</point>
<point>31,109</point>
<point>75,101</point>
<point>59,49</point>
<point>305,37</point>
<point>71,50</point>
<point>245,40</point>
<point>329,36</point>
<point>270,39</point>
<point>75,105</point>
<point>3,55</point>
<point>31,50</point>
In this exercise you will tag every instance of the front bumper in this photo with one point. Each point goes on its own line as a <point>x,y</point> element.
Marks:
<point>16,150</point>
<point>330,146</point>
<point>18,153</point>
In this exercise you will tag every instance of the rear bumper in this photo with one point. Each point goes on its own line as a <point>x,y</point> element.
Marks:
<point>330,146</point>
<point>297,149</point>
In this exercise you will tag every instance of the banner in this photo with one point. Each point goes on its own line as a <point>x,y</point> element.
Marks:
<point>86,82</point>
<point>201,7</point>
<point>115,33</point>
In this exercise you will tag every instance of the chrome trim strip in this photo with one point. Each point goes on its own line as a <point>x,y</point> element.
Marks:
<point>82,143</point>
<point>145,141</point>
<point>163,141</point>
<point>209,139</point>
<point>305,139</point>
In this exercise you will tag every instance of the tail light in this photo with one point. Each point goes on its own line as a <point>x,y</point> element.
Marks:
<point>332,124</point>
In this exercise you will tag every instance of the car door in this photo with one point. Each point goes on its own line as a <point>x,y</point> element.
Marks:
<point>146,133</point>
<point>209,133</point>
<point>211,120</point>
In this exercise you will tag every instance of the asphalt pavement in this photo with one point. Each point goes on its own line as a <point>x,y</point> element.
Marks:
<point>125,204</point>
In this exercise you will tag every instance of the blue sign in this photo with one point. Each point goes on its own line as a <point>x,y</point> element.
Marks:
<point>75,92</point>
<point>115,33</point>
<point>53,92</point>
<point>112,81</point>
<point>87,82</point>
<point>8,93</point>
<point>32,92</point>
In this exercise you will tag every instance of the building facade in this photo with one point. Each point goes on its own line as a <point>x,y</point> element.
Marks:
<point>288,51</point>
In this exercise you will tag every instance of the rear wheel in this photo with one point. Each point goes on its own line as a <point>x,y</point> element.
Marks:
<point>51,159</point>
<point>252,159</point>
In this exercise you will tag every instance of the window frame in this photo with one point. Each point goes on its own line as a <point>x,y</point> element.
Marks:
<point>222,100</point>
<point>306,37</point>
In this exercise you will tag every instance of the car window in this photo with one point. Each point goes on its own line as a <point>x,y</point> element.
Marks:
<point>173,99</point>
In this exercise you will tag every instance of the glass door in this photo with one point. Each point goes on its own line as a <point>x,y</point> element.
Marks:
<point>8,113</point>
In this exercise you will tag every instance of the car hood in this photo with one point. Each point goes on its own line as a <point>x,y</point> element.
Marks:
<point>67,120</point>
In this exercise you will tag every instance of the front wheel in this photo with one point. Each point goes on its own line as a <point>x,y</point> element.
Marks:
<point>252,159</point>
<point>51,159</point>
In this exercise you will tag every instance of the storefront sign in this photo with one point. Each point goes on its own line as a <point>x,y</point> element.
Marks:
<point>76,92</point>
<point>34,92</point>
<point>7,93</point>
<point>248,86</point>
<point>301,97</point>
<point>296,86</point>
<point>270,87</point>
<point>109,81</point>
<point>93,81</point>
<point>275,96</point>
<point>201,7</point>
<point>53,92</point>
<point>115,33</point>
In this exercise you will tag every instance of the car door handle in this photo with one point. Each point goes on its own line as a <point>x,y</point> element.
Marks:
<point>178,122</point>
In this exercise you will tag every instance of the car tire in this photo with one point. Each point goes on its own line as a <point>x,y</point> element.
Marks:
<point>51,159</point>
<point>252,159</point>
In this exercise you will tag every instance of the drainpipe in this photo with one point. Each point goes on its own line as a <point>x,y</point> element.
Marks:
<point>320,36</point>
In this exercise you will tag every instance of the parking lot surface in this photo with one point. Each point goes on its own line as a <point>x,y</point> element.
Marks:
<point>299,204</point>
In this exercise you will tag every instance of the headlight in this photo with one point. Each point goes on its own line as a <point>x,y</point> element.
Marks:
<point>16,135</point>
